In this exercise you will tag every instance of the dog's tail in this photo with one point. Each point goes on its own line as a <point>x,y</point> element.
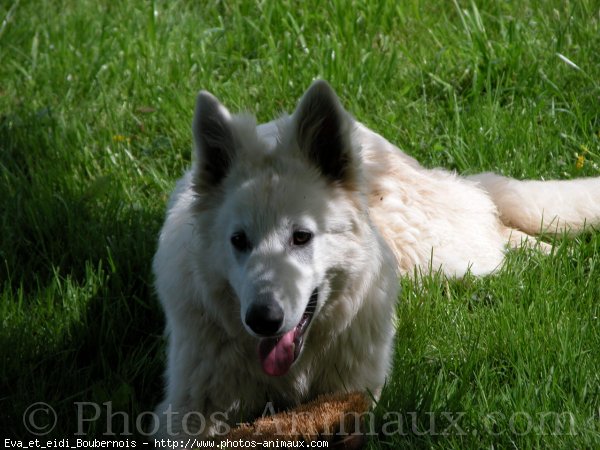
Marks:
<point>536,207</point>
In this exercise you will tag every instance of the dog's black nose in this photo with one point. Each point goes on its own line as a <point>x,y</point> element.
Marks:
<point>265,319</point>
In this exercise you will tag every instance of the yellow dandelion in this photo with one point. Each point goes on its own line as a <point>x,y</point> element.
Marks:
<point>121,138</point>
<point>580,162</point>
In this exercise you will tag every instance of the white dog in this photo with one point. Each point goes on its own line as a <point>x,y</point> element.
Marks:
<point>279,259</point>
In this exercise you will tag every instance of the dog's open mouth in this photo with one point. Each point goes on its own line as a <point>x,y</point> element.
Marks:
<point>277,354</point>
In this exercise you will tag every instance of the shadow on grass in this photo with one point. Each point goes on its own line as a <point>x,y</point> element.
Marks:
<point>80,320</point>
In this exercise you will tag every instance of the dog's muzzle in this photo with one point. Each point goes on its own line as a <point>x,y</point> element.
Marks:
<point>278,354</point>
<point>265,318</point>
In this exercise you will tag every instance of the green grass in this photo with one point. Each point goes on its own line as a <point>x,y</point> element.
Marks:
<point>95,106</point>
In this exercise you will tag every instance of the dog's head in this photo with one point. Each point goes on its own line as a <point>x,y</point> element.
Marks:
<point>286,217</point>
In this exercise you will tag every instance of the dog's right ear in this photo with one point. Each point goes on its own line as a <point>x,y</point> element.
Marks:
<point>214,140</point>
<point>322,130</point>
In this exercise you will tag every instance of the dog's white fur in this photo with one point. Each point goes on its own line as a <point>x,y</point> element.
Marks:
<point>373,212</point>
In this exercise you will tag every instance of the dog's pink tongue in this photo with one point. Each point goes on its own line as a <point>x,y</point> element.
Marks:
<point>277,354</point>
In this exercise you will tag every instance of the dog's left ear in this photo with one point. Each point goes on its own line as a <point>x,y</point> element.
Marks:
<point>323,129</point>
<point>214,140</point>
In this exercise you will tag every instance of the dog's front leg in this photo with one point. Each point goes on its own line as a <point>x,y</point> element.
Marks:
<point>188,424</point>
<point>189,409</point>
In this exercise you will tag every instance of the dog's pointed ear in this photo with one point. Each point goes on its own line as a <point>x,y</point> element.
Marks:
<point>323,133</point>
<point>214,140</point>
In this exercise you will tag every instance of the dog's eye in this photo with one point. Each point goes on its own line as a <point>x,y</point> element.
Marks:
<point>301,237</point>
<point>240,241</point>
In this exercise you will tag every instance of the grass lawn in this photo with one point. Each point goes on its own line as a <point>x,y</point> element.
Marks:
<point>96,99</point>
